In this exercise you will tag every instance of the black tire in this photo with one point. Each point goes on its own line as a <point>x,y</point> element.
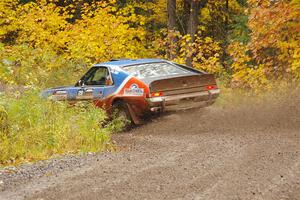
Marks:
<point>120,112</point>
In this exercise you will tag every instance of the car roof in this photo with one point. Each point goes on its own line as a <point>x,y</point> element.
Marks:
<point>127,62</point>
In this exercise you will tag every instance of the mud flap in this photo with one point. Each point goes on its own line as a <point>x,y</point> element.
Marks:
<point>136,120</point>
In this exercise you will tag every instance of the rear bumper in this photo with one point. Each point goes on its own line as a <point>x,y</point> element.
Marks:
<point>183,101</point>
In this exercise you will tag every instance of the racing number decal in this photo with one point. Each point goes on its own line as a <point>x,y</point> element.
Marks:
<point>85,94</point>
<point>80,92</point>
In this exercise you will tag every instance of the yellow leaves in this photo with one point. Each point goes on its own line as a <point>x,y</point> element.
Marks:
<point>105,35</point>
<point>7,14</point>
<point>38,24</point>
<point>46,37</point>
<point>295,63</point>
<point>207,55</point>
<point>205,51</point>
<point>205,14</point>
<point>245,75</point>
<point>45,43</point>
<point>254,78</point>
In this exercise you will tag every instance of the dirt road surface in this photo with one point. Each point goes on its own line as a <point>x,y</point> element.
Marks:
<point>252,152</point>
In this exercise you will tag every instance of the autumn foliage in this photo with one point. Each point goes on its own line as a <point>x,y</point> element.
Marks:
<point>43,42</point>
<point>272,54</point>
<point>245,43</point>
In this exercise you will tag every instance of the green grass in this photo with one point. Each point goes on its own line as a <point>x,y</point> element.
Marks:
<point>33,129</point>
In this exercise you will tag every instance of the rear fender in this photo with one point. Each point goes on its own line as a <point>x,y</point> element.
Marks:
<point>134,93</point>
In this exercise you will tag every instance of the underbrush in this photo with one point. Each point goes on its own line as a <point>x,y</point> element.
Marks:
<point>277,108</point>
<point>32,128</point>
<point>279,92</point>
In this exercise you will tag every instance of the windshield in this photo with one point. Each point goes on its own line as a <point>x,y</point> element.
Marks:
<point>150,70</point>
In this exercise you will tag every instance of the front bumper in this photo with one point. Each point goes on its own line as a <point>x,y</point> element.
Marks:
<point>183,101</point>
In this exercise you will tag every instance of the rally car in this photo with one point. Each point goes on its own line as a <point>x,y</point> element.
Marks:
<point>135,88</point>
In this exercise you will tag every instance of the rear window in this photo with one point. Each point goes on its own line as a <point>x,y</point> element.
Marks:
<point>150,70</point>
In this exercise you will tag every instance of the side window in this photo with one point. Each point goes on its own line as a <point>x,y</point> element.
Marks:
<point>98,76</point>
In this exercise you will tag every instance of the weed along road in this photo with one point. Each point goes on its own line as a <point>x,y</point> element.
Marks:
<point>248,152</point>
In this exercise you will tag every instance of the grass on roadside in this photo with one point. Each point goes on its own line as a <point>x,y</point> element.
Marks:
<point>32,128</point>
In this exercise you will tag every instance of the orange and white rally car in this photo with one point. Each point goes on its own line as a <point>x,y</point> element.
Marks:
<point>141,86</point>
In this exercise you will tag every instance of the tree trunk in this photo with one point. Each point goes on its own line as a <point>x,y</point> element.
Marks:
<point>171,8</point>
<point>224,44</point>
<point>227,16</point>
<point>195,6</point>
<point>186,15</point>
<point>193,19</point>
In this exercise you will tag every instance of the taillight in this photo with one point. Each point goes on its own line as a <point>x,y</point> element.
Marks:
<point>210,87</point>
<point>156,94</point>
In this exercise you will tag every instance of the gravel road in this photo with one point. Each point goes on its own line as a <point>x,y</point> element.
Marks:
<point>246,152</point>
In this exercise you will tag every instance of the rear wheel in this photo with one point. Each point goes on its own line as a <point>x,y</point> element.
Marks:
<point>121,113</point>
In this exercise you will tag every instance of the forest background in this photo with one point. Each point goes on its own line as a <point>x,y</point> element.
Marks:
<point>245,43</point>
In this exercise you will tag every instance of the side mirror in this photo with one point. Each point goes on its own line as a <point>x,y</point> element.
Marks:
<point>80,83</point>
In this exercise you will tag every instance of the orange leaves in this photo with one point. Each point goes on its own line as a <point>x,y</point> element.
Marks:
<point>269,23</point>
<point>273,51</point>
<point>275,34</point>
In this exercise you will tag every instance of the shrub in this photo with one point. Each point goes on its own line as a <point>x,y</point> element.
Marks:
<point>37,129</point>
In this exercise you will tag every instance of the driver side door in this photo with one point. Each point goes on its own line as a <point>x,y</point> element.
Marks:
<point>93,84</point>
